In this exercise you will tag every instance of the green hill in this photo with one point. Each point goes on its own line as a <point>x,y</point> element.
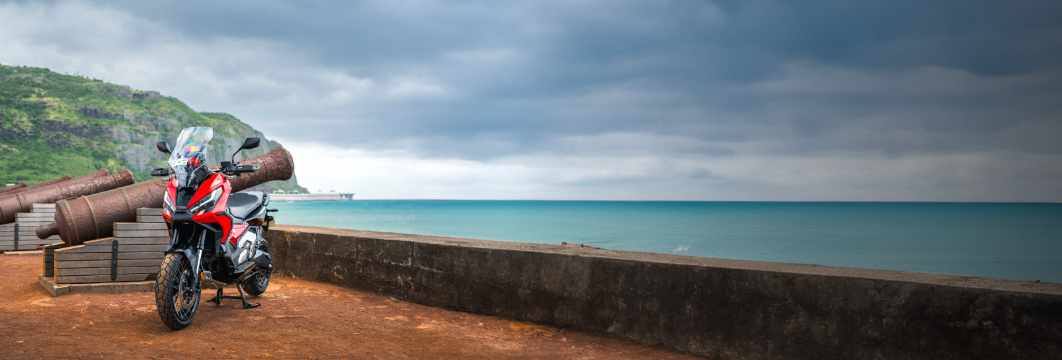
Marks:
<point>53,124</point>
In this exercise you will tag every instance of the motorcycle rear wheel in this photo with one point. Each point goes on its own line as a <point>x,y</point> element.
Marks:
<point>257,284</point>
<point>176,292</point>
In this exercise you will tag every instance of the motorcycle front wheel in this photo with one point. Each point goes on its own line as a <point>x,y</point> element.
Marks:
<point>176,292</point>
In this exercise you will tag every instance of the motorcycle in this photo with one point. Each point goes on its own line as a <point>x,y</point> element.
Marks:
<point>216,237</point>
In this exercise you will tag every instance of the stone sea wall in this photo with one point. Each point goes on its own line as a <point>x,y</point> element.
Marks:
<point>717,308</point>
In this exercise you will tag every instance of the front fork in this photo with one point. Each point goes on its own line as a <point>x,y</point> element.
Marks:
<point>193,254</point>
<point>199,258</point>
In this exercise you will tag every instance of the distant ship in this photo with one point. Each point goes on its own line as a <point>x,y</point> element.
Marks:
<point>281,196</point>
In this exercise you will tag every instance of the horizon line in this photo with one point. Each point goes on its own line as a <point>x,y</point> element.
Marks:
<point>713,201</point>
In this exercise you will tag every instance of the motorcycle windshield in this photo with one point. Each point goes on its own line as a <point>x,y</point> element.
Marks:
<point>189,154</point>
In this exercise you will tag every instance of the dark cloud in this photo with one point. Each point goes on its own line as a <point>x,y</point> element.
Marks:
<point>492,81</point>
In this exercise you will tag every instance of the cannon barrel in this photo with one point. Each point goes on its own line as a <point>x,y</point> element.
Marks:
<point>92,217</point>
<point>20,187</point>
<point>10,188</point>
<point>22,201</point>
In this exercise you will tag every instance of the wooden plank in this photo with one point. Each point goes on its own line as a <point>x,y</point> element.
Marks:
<point>101,278</point>
<point>42,206</point>
<point>139,226</point>
<point>149,219</point>
<point>70,249</point>
<point>144,241</point>
<point>29,226</point>
<point>33,239</point>
<point>25,247</point>
<point>149,211</point>
<point>107,270</point>
<point>24,222</point>
<point>141,255</point>
<point>107,256</point>
<point>35,213</point>
<point>37,242</point>
<point>83,248</point>
<point>124,245</point>
<point>106,263</point>
<point>141,233</point>
<point>27,233</point>
<point>23,227</point>
<point>64,256</point>
<point>35,216</point>
<point>35,221</point>
<point>159,248</point>
<point>106,240</point>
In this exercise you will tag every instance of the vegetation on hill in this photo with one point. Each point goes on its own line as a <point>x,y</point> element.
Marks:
<point>53,124</point>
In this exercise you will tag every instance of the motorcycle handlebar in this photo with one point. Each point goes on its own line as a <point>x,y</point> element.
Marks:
<point>243,169</point>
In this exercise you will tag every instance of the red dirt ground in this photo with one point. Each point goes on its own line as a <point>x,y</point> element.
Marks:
<point>297,319</point>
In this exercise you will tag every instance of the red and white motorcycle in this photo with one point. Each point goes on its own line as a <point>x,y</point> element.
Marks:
<point>216,236</point>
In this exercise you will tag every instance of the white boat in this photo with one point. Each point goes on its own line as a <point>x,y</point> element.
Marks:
<point>311,197</point>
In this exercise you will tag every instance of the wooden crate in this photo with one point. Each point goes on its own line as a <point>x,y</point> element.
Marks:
<point>7,237</point>
<point>22,234</point>
<point>133,254</point>
<point>146,215</point>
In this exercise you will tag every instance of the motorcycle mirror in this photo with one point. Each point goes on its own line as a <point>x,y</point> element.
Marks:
<point>160,172</point>
<point>163,147</point>
<point>250,143</point>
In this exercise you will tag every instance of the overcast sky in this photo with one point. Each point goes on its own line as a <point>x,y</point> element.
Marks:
<point>727,100</point>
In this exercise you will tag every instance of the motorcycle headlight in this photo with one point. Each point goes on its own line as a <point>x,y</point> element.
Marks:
<point>207,202</point>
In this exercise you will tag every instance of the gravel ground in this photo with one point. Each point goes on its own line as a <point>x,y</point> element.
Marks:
<point>297,319</point>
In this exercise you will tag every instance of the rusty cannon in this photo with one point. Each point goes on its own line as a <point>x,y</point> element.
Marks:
<point>20,187</point>
<point>12,188</point>
<point>92,217</point>
<point>22,200</point>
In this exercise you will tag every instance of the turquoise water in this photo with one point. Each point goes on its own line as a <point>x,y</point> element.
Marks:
<point>1014,241</point>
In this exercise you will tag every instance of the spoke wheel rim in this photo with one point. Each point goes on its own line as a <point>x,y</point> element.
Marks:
<point>263,280</point>
<point>185,298</point>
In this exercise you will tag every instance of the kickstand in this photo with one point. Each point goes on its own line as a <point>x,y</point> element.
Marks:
<point>242,298</point>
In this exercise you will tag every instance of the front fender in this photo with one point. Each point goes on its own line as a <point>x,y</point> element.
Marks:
<point>188,253</point>
<point>185,245</point>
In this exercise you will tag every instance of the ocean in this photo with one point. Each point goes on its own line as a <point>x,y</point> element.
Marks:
<point>1020,241</point>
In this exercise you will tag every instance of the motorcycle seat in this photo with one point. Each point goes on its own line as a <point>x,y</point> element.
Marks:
<point>243,204</point>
